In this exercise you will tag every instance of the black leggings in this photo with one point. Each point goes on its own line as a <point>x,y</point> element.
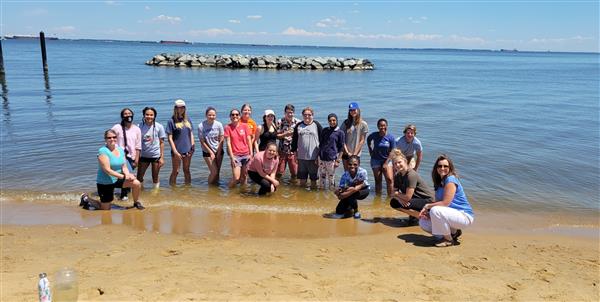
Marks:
<point>416,204</point>
<point>349,203</point>
<point>265,185</point>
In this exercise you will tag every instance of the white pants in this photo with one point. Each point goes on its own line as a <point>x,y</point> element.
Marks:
<point>327,173</point>
<point>444,220</point>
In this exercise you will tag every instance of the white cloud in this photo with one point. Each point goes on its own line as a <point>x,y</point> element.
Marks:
<point>166,19</point>
<point>417,20</point>
<point>35,12</point>
<point>291,31</point>
<point>254,17</point>
<point>212,32</point>
<point>330,22</point>
<point>559,40</point>
<point>461,39</point>
<point>234,21</point>
<point>64,29</point>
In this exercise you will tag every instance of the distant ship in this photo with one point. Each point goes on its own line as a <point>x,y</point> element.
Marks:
<point>175,42</point>
<point>22,37</point>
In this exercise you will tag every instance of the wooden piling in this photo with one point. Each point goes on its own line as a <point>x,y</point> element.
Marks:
<point>1,59</point>
<point>43,46</point>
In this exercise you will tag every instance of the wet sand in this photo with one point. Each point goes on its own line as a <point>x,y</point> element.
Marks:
<point>190,254</point>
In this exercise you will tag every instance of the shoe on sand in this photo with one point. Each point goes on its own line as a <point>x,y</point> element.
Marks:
<point>83,201</point>
<point>456,235</point>
<point>444,243</point>
<point>138,205</point>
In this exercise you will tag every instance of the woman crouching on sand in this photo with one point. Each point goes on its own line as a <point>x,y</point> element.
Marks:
<point>262,169</point>
<point>451,211</point>
<point>112,173</point>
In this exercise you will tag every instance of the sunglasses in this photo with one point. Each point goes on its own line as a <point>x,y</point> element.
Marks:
<point>234,114</point>
<point>443,166</point>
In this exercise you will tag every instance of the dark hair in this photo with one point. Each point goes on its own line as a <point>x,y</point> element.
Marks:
<point>232,110</point>
<point>435,176</point>
<point>153,121</point>
<point>264,118</point>
<point>289,107</point>
<point>351,157</point>
<point>350,120</point>
<point>382,120</point>
<point>126,109</point>
<point>209,108</point>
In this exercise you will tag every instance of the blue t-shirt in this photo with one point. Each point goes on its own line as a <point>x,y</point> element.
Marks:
<point>347,180</point>
<point>151,137</point>
<point>181,132</point>
<point>409,149</point>
<point>382,145</point>
<point>116,164</point>
<point>459,201</point>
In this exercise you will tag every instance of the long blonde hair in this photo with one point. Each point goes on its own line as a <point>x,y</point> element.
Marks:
<point>185,122</point>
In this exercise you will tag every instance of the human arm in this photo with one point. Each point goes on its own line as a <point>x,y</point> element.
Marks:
<point>449,192</point>
<point>105,166</point>
<point>176,154</point>
<point>361,142</point>
<point>418,160</point>
<point>161,160</point>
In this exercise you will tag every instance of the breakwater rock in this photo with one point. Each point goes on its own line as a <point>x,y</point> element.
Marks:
<point>260,62</point>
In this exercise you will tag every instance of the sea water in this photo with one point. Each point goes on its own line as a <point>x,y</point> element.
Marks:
<point>521,127</point>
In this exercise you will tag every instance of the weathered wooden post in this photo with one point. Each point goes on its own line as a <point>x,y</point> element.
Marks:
<point>43,46</point>
<point>1,59</point>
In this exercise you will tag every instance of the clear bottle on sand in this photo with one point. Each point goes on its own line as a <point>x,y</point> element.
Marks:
<point>66,288</point>
<point>44,289</point>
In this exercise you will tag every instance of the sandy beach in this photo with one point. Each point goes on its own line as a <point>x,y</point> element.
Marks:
<point>372,259</point>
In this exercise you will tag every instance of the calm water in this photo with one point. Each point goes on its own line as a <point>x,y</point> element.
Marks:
<point>523,128</point>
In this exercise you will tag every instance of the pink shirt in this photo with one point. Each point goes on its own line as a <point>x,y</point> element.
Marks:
<point>134,139</point>
<point>262,165</point>
<point>238,138</point>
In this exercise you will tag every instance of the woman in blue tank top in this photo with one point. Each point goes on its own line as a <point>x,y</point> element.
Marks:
<point>451,210</point>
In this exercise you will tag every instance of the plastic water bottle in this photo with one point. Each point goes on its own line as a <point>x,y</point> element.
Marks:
<point>44,289</point>
<point>66,288</point>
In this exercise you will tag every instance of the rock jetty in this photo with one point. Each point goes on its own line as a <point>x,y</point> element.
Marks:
<point>259,62</point>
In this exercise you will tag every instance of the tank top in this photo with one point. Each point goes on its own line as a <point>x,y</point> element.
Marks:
<point>266,137</point>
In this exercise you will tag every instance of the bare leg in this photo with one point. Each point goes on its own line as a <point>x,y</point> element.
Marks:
<point>142,170</point>
<point>377,176</point>
<point>211,164</point>
<point>235,175</point>
<point>155,172</point>
<point>173,178</point>
<point>187,161</point>
<point>389,179</point>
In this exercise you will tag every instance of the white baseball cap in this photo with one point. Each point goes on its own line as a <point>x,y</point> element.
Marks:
<point>269,112</point>
<point>179,103</point>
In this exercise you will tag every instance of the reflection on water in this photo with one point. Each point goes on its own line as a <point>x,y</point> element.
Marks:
<point>48,93</point>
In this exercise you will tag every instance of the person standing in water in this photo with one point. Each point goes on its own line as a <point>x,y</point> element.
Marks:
<point>181,138</point>
<point>380,145</point>
<point>411,146</point>
<point>210,134</point>
<point>331,147</point>
<point>284,133</point>
<point>305,141</point>
<point>355,130</point>
<point>239,148</point>
<point>129,137</point>
<point>153,146</point>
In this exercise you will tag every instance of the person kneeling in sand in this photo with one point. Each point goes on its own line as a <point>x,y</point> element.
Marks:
<point>112,173</point>
<point>411,193</point>
<point>353,186</point>
<point>262,169</point>
<point>451,210</point>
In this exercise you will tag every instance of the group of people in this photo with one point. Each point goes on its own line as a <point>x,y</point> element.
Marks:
<point>263,152</point>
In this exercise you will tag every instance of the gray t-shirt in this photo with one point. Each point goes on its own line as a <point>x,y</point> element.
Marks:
<point>353,135</point>
<point>308,141</point>
<point>211,134</point>
<point>151,137</point>
<point>412,179</point>
<point>409,149</point>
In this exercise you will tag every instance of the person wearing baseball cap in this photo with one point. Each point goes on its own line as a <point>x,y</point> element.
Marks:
<point>355,130</point>
<point>181,138</point>
<point>267,132</point>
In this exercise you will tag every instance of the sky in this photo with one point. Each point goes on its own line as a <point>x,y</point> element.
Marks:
<point>499,24</point>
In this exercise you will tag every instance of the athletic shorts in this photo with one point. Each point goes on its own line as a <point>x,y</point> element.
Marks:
<point>240,161</point>
<point>206,154</point>
<point>377,163</point>
<point>149,159</point>
<point>308,168</point>
<point>106,192</point>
